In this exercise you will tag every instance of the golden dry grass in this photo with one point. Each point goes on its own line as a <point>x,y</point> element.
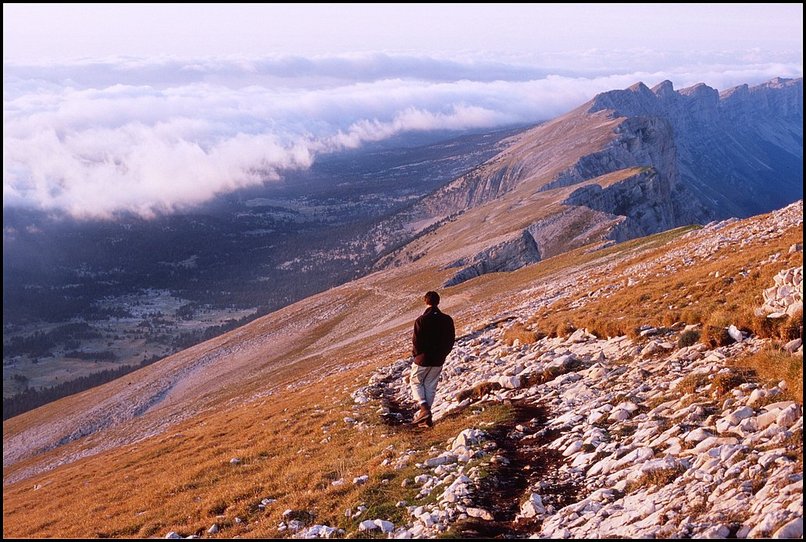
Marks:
<point>771,366</point>
<point>519,332</point>
<point>182,479</point>
<point>292,447</point>
<point>693,295</point>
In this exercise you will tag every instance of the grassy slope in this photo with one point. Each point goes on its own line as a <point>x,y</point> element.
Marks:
<point>182,479</point>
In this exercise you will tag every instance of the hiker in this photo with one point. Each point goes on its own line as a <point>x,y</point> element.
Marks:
<point>432,340</point>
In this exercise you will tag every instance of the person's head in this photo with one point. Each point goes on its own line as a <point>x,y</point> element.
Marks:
<point>431,298</point>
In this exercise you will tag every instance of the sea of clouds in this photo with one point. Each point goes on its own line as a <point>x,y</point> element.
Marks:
<point>96,138</point>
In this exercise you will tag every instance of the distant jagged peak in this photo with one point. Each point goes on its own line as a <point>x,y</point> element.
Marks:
<point>639,100</point>
<point>700,90</point>
<point>778,83</point>
<point>635,100</point>
<point>740,90</point>
<point>664,89</point>
<point>639,87</point>
<point>782,82</point>
<point>777,97</point>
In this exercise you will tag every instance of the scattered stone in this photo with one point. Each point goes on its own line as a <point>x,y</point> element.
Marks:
<point>479,513</point>
<point>533,506</point>
<point>793,529</point>
<point>385,526</point>
<point>793,345</point>
<point>648,459</point>
<point>735,333</point>
<point>320,531</point>
<point>467,438</point>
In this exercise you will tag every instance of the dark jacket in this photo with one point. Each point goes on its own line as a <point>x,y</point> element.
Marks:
<point>433,338</point>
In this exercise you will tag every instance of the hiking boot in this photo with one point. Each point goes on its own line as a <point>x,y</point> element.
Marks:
<point>424,415</point>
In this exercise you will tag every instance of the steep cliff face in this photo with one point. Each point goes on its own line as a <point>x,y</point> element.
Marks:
<point>647,202</point>
<point>513,253</point>
<point>740,152</point>
<point>475,188</point>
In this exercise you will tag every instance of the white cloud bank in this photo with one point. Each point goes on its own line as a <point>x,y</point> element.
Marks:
<point>98,138</point>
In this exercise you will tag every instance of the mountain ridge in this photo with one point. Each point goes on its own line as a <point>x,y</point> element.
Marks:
<point>661,129</point>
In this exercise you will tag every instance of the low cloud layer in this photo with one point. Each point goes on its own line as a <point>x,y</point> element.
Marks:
<point>98,138</point>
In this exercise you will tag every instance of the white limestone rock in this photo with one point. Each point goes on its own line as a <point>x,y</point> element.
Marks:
<point>479,513</point>
<point>533,507</point>
<point>320,531</point>
<point>788,416</point>
<point>735,333</point>
<point>793,529</point>
<point>385,526</point>
<point>698,435</point>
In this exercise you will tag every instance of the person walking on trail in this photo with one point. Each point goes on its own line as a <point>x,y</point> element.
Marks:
<point>433,338</point>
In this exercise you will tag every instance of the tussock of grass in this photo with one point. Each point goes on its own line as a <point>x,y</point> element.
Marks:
<point>715,330</point>
<point>655,478</point>
<point>688,338</point>
<point>772,366</point>
<point>563,329</point>
<point>725,381</point>
<point>691,383</point>
<point>792,327</point>
<point>521,333</point>
<point>478,391</point>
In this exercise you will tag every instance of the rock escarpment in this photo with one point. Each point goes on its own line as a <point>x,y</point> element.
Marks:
<point>739,151</point>
<point>631,163</point>
<point>513,253</point>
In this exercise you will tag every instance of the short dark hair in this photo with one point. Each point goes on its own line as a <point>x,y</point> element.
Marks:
<point>432,298</point>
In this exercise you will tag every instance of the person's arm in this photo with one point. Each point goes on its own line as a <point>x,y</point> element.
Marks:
<point>416,338</point>
<point>450,336</point>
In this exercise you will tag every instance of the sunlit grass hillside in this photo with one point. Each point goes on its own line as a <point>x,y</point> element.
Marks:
<point>271,425</point>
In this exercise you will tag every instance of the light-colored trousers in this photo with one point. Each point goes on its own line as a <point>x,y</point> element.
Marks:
<point>423,382</point>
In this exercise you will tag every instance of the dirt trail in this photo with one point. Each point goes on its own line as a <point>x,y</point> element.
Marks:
<point>523,464</point>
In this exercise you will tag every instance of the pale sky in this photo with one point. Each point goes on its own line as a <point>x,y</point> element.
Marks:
<point>151,108</point>
<point>34,32</point>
